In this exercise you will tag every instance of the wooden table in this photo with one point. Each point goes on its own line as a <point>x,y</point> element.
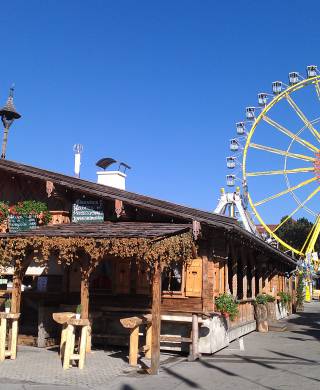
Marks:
<point>10,321</point>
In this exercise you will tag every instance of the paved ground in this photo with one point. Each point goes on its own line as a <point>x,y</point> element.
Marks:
<point>276,360</point>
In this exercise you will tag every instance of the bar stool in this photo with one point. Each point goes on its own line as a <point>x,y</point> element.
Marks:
<point>69,354</point>
<point>8,326</point>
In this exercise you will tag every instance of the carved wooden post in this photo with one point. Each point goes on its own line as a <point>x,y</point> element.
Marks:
<point>234,272</point>
<point>87,267</point>
<point>226,276</point>
<point>156,318</point>
<point>20,269</point>
<point>253,276</point>
<point>260,272</point>
<point>84,297</point>
<point>245,274</point>
<point>16,291</point>
<point>194,353</point>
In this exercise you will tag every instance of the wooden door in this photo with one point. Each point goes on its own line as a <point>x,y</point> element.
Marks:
<point>122,276</point>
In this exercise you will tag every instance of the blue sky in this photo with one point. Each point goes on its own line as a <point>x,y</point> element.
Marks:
<point>157,84</point>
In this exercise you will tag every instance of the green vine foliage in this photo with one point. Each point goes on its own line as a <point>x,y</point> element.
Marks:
<point>285,298</point>
<point>226,304</point>
<point>300,291</point>
<point>263,299</point>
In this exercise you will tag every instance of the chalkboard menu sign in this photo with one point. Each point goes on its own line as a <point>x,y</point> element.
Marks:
<point>20,223</point>
<point>87,211</point>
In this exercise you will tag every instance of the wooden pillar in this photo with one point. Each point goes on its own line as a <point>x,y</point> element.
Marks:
<point>156,318</point>
<point>194,352</point>
<point>84,297</point>
<point>245,274</point>
<point>226,277</point>
<point>148,340</point>
<point>253,276</point>
<point>20,269</point>
<point>16,291</point>
<point>234,273</point>
<point>134,346</point>
<point>260,276</point>
<point>206,295</point>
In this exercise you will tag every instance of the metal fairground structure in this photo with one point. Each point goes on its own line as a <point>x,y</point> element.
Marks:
<point>277,160</point>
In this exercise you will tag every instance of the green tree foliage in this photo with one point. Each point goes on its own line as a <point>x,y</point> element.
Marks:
<point>296,232</point>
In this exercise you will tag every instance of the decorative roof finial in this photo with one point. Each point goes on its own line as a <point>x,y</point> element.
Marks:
<point>11,90</point>
<point>8,114</point>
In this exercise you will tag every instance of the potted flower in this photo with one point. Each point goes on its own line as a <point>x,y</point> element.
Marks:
<point>261,312</point>
<point>227,305</point>
<point>4,212</point>
<point>78,312</point>
<point>38,210</point>
<point>7,305</point>
<point>285,300</point>
<point>271,307</point>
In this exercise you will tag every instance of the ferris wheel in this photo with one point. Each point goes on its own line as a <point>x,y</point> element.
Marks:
<point>277,157</point>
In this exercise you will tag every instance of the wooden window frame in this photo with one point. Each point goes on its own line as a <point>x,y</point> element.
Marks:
<point>182,292</point>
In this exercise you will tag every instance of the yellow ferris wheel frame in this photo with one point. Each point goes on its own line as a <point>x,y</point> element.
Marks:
<point>314,233</point>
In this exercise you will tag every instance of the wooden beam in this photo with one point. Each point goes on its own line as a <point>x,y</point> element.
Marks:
<point>234,272</point>
<point>226,277</point>
<point>156,318</point>
<point>20,269</point>
<point>16,292</point>
<point>244,264</point>
<point>134,346</point>
<point>194,350</point>
<point>253,277</point>
<point>84,299</point>
<point>205,294</point>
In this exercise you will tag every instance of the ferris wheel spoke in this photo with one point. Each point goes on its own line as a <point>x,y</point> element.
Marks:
<point>317,88</point>
<point>313,193</point>
<point>282,152</point>
<point>287,132</point>
<point>303,117</point>
<point>281,172</point>
<point>279,194</point>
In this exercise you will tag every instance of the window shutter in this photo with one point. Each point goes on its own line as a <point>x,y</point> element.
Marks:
<point>122,276</point>
<point>194,278</point>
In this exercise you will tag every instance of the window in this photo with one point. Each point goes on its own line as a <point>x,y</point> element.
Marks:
<point>172,280</point>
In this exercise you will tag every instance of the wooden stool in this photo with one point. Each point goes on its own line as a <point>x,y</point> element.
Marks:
<point>10,321</point>
<point>69,354</point>
<point>62,318</point>
<point>133,324</point>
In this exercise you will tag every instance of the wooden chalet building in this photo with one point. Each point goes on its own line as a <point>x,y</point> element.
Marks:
<point>117,267</point>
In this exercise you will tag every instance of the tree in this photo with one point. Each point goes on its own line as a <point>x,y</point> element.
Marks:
<point>296,232</point>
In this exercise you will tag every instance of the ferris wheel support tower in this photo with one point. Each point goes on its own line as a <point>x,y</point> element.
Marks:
<point>230,203</point>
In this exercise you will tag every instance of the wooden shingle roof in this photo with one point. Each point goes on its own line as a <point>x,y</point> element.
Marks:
<point>105,230</point>
<point>188,214</point>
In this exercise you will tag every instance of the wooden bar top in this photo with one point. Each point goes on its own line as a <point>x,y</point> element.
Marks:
<point>80,322</point>
<point>62,317</point>
<point>9,316</point>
